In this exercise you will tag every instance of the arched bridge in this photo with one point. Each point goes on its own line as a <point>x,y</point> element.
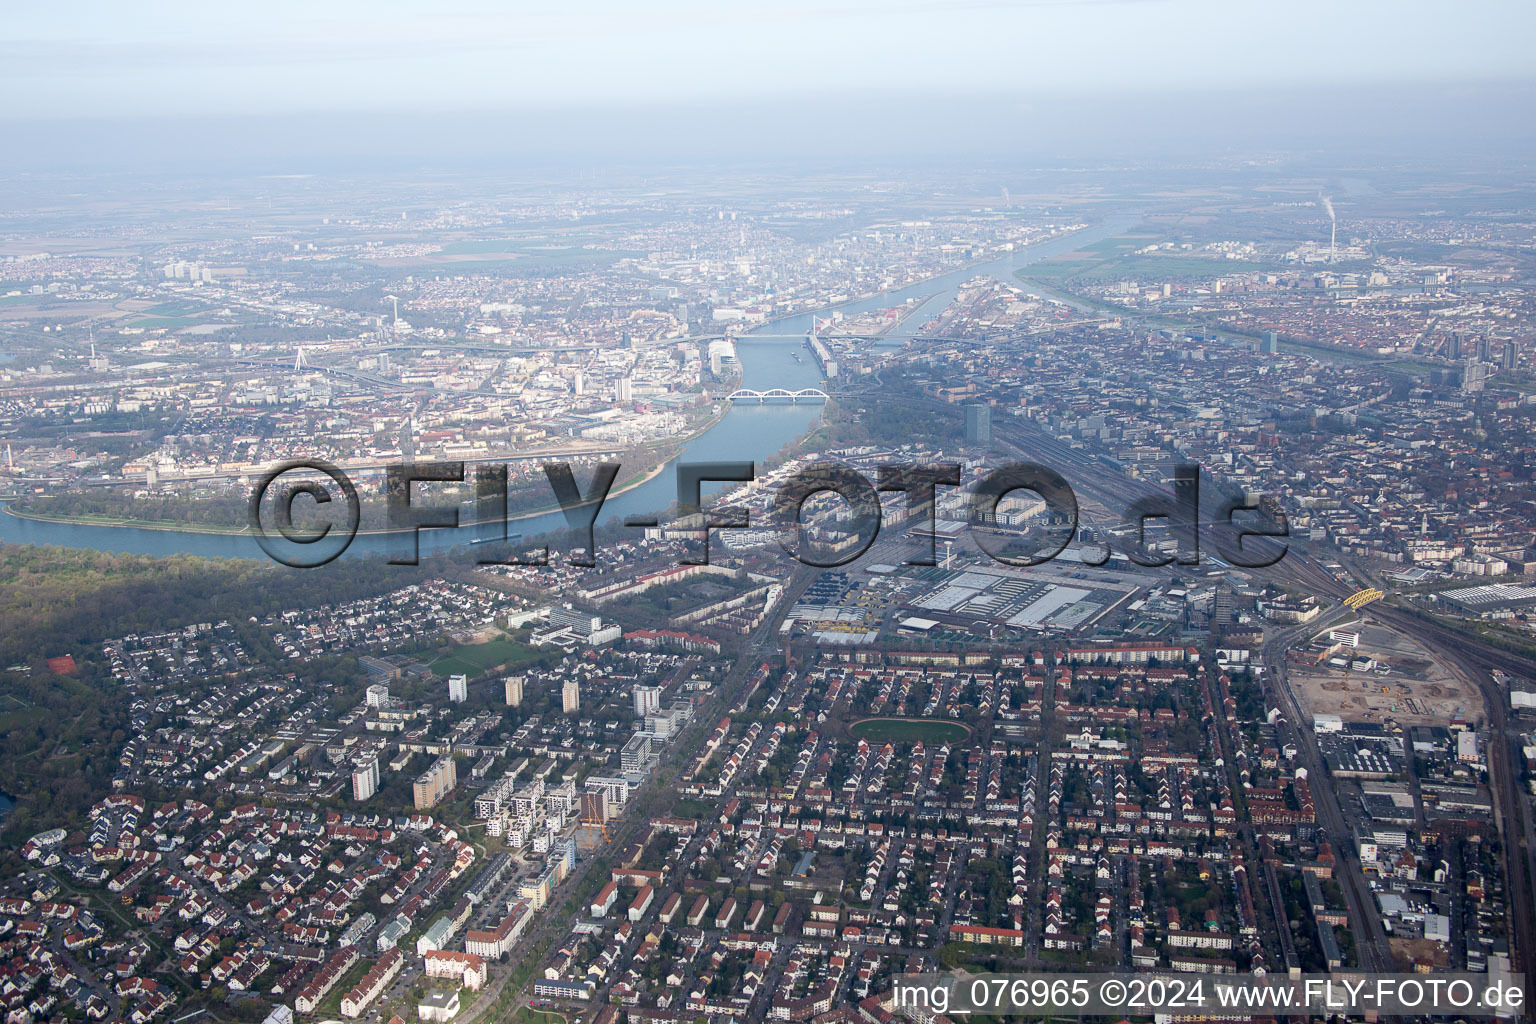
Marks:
<point>778,395</point>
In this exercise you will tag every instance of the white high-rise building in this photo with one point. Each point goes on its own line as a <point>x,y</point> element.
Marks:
<point>514,685</point>
<point>647,700</point>
<point>458,688</point>
<point>378,695</point>
<point>365,779</point>
<point>570,697</point>
<point>626,389</point>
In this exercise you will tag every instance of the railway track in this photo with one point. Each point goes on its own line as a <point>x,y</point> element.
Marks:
<point>1476,660</point>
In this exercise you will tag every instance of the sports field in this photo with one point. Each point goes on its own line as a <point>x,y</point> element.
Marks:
<point>908,730</point>
<point>474,659</point>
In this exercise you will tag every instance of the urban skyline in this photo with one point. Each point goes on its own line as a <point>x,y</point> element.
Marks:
<point>621,516</point>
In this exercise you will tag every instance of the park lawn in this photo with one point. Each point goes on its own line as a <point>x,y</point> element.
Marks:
<point>527,1015</point>
<point>908,730</point>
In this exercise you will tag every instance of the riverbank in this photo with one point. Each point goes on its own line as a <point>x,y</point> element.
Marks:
<point>124,523</point>
<point>213,529</point>
<point>728,432</point>
<point>980,261</point>
<point>1317,350</point>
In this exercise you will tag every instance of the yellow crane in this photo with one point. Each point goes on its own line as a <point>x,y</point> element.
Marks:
<point>595,823</point>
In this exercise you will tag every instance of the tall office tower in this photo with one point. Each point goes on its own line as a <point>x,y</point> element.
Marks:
<point>365,779</point>
<point>1270,346</point>
<point>378,695</point>
<point>435,783</point>
<point>1509,356</point>
<point>978,423</point>
<point>626,389</point>
<point>1221,608</point>
<point>458,688</point>
<point>514,685</point>
<point>579,385</point>
<point>570,697</point>
<point>1473,375</point>
<point>647,700</point>
<point>1483,349</point>
<point>1453,346</point>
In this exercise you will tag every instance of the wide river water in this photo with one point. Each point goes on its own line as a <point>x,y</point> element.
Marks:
<point>748,432</point>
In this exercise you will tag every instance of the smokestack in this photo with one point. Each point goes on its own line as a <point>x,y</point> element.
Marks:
<point>1333,225</point>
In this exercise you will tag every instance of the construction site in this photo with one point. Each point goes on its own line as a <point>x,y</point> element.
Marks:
<point>1367,672</point>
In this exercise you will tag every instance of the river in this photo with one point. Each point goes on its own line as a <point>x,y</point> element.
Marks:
<point>748,432</point>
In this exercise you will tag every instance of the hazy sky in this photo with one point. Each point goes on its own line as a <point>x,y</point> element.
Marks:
<point>117,59</point>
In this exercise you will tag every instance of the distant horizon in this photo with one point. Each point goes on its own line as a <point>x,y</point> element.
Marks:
<point>911,82</point>
<point>1434,124</point>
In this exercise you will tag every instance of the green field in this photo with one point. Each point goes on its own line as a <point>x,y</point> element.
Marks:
<point>1162,266</point>
<point>1150,267</point>
<point>498,255</point>
<point>908,730</point>
<point>174,309</point>
<point>475,659</point>
<point>1116,257</point>
<point>1119,245</point>
<point>480,248</point>
<point>1056,269</point>
<point>528,1015</point>
<point>513,246</point>
<point>538,261</point>
<point>155,323</point>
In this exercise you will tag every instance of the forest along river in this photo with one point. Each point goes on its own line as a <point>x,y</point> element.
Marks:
<point>748,432</point>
